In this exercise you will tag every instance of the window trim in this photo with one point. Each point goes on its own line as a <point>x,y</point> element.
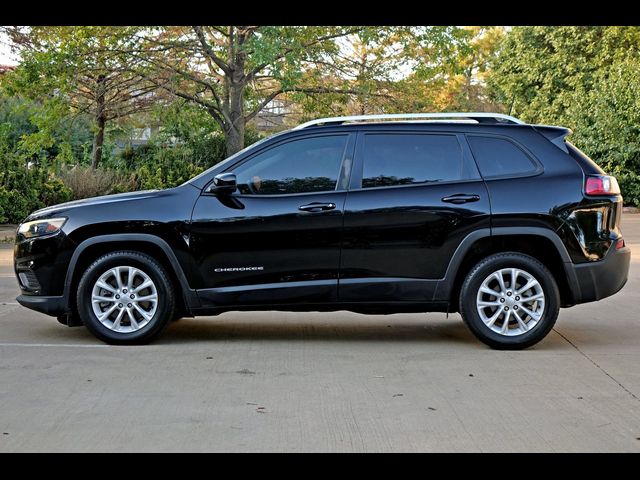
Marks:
<point>538,168</point>
<point>358,166</point>
<point>347,153</point>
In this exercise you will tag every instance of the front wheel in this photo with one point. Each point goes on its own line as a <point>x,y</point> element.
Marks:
<point>510,301</point>
<point>125,298</point>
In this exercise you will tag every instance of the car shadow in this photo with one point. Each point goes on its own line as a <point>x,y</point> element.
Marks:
<point>358,328</point>
<point>433,329</point>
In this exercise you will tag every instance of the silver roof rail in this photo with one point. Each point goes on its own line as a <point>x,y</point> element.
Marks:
<point>480,117</point>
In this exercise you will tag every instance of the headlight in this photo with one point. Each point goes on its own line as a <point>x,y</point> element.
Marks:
<point>39,228</point>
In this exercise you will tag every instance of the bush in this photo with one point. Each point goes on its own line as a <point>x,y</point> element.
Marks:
<point>170,167</point>
<point>630,187</point>
<point>19,187</point>
<point>54,191</point>
<point>34,171</point>
<point>83,182</point>
<point>15,205</point>
<point>23,189</point>
<point>158,165</point>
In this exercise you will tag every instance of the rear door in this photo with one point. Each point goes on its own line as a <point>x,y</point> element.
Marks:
<point>414,196</point>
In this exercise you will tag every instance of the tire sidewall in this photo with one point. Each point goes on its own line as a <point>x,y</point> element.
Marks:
<point>164,310</point>
<point>481,272</point>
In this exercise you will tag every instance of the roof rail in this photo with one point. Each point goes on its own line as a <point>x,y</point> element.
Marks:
<point>480,117</point>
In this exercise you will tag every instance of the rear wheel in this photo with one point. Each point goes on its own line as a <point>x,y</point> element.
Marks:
<point>125,298</point>
<point>510,301</point>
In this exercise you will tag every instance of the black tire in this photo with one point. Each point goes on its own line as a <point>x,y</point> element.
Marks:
<point>165,292</point>
<point>473,282</point>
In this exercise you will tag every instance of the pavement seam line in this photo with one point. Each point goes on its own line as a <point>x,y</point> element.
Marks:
<point>598,366</point>
<point>63,345</point>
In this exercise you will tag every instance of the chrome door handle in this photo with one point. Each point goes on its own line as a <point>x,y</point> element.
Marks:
<point>317,207</point>
<point>459,198</point>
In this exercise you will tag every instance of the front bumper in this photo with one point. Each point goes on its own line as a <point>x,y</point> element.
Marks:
<point>41,264</point>
<point>597,280</point>
<point>53,306</point>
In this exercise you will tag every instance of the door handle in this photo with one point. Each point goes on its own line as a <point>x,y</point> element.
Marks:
<point>317,207</point>
<point>459,198</point>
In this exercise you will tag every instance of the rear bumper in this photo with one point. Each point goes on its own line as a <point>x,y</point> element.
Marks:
<point>53,306</point>
<point>597,280</point>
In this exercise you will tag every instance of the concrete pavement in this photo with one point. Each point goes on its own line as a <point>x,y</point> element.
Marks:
<point>272,381</point>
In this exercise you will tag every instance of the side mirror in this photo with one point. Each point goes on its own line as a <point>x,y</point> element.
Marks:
<point>223,184</point>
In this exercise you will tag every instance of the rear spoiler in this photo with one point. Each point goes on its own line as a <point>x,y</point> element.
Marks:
<point>555,135</point>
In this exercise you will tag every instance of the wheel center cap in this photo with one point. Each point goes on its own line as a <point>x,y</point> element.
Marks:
<point>510,302</point>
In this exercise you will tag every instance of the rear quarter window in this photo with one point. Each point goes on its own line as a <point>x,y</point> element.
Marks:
<point>499,157</point>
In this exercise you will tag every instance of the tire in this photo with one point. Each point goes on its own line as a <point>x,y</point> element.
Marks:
<point>151,310</point>
<point>485,314</point>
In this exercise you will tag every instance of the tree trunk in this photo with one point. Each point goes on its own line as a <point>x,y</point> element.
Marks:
<point>98,139</point>
<point>234,140</point>
<point>234,131</point>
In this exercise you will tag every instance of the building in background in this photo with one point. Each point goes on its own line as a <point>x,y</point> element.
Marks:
<point>272,117</point>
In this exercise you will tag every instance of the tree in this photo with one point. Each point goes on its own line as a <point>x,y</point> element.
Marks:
<point>607,123</point>
<point>585,78</point>
<point>234,72</point>
<point>467,88</point>
<point>86,67</point>
<point>390,69</point>
<point>541,72</point>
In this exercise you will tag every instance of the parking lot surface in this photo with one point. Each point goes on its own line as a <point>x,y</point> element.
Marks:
<point>274,381</point>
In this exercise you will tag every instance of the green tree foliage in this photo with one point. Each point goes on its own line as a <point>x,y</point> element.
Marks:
<point>88,69</point>
<point>24,187</point>
<point>384,70</point>
<point>607,124</point>
<point>160,164</point>
<point>541,72</point>
<point>43,131</point>
<point>585,78</point>
<point>233,72</point>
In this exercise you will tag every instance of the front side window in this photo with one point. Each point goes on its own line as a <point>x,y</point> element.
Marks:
<point>306,165</point>
<point>404,159</point>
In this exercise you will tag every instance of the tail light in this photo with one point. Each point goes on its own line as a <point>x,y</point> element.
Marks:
<point>601,185</point>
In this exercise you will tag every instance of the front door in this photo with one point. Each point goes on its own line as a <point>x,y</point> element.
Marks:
<point>414,197</point>
<point>277,238</point>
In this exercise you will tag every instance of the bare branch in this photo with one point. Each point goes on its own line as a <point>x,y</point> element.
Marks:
<point>209,51</point>
<point>262,104</point>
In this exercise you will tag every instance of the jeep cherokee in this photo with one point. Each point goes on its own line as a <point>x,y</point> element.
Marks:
<point>476,213</point>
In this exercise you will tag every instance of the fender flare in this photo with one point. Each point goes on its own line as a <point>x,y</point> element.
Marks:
<point>445,285</point>
<point>190,297</point>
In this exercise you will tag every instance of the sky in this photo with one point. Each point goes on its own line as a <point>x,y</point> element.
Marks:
<point>6,58</point>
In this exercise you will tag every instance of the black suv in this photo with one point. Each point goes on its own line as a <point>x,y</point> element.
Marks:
<point>480,214</point>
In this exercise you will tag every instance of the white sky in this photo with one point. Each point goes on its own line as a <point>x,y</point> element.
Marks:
<point>6,57</point>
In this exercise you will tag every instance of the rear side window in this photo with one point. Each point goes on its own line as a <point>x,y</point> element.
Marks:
<point>405,159</point>
<point>497,157</point>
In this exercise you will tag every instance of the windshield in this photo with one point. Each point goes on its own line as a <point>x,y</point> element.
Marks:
<point>231,158</point>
